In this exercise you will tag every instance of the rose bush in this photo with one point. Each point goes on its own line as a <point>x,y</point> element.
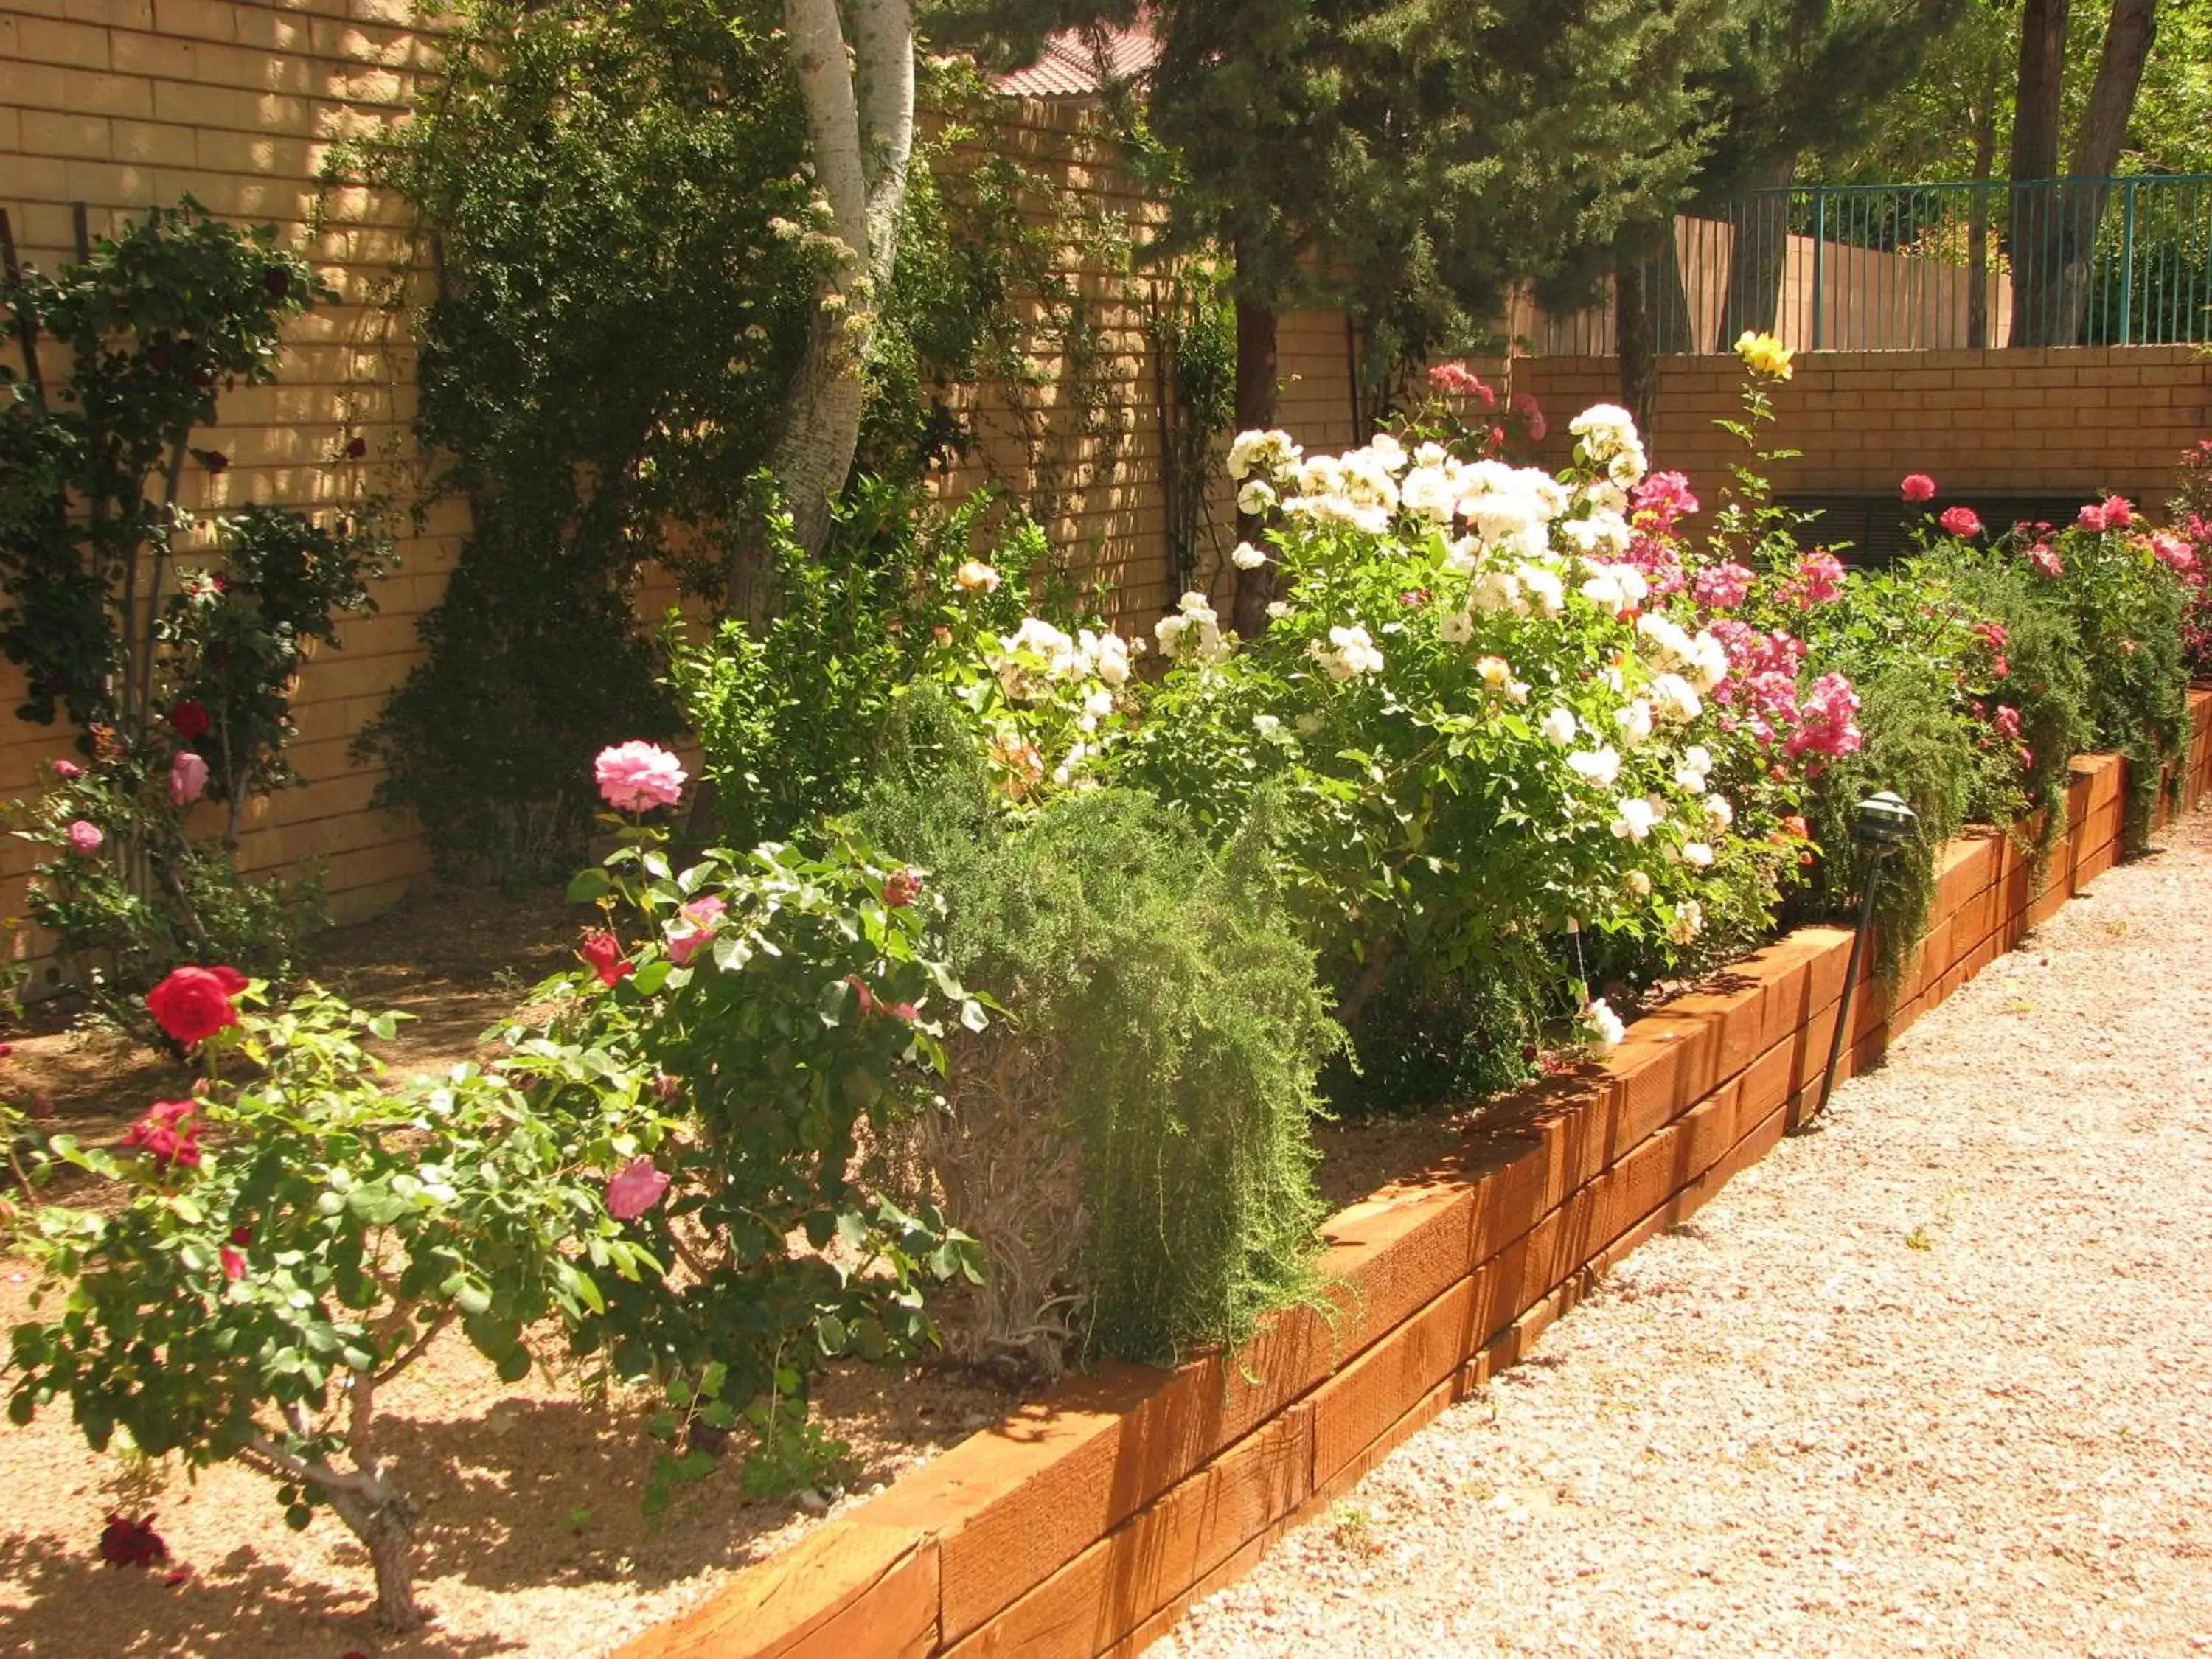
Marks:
<point>280,1248</point>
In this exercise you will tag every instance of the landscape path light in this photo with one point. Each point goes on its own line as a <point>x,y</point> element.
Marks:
<point>1880,824</point>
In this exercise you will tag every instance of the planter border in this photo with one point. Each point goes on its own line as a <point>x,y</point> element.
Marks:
<point>1085,1523</point>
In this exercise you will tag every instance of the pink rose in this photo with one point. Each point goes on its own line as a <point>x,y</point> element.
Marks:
<point>1917,487</point>
<point>188,778</point>
<point>68,770</point>
<point>902,887</point>
<point>635,1190</point>
<point>85,837</point>
<point>695,925</point>
<point>636,777</point>
<point>1722,587</point>
<point>1960,522</point>
<point>2045,558</point>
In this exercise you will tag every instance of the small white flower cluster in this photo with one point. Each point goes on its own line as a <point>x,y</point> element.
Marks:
<point>1670,648</point>
<point>1347,654</point>
<point>1497,676</point>
<point>1036,657</point>
<point>1193,632</point>
<point>1602,1028</point>
<point>1610,443</point>
<point>1266,451</point>
<point>1247,556</point>
<point>1357,488</point>
<point>1689,923</point>
<point>1613,588</point>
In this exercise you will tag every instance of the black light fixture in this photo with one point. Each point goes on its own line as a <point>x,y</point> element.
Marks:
<point>1880,824</point>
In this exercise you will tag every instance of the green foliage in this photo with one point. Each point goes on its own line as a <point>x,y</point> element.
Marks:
<point>1426,1038</point>
<point>304,1231</point>
<point>155,326</point>
<point>1174,1014</point>
<point>785,1000</point>
<point>788,714</point>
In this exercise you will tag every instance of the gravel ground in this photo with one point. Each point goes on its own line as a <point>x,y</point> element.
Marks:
<point>1936,1380</point>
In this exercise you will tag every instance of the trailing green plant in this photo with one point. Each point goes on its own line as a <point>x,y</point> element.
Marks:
<point>1191,330</point>
<point>1162,1018</point>
<point>292,1239</point>
<point>179,678</point>
<point>2190,514</point>
<point>788,713</point>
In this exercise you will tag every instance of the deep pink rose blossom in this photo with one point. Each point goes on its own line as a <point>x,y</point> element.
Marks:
<point>68,770</point>
<point>697,922</point>
<point>1962,521</point>
<point>85,837</point>
<point>1917,487</point>
<point>636,777</point>
<point>188,778</point>
<point>635,1190</point>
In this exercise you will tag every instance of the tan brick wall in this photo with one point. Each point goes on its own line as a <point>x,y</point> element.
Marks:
<point>127,104</point>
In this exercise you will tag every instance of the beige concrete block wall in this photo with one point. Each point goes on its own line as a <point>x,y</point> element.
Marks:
<point>126,104</point>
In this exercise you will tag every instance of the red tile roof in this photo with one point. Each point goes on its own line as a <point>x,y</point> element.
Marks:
<point>1070,65</point>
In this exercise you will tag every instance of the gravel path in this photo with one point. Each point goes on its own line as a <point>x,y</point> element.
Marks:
<point>1937,1379</point>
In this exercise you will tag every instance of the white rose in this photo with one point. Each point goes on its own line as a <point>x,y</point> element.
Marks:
<point>1559,726</point>
<point>1599,766</point>
<point>1247,556</point>
<point>1720,810</point>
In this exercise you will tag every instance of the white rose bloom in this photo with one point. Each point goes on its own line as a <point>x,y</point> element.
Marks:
<point>1265,451</point>
<point>1678,704</point>
<point>1600,767</point>
<point>1697,853</point>
<point>1605,496</point>
<point>1690,777</point>
<point>1255,497</point>
<point>1279,609</point>
<point>1349,654</point>
<point>1110,657</point>
<point>1634,820</point>
<point>1517,691</point>
<point>1635,722</point>
<point>1605,593</point>
<point>1689,923</point>
<point>1169,631</point>
<point>1389,451</point>
<point>1455,627</point>
<point>1606,430</point>
<point>1626,468</point>
<point>1544,587</point>
<point>1266,725</point>
<point>1429,493</point>
<point>1495,671</point>
<point>1708,663</point>
<point>1460,559</point>
<point>1309,724</point>
<point>1497,590</point>
<point>1633,583</point>
<point>1637,883</point>
<point>1099,703</point>
<point>1320,475</point>
<point>1247,556</point>
<point>1720,810</point>
<point>1432,454</point>
<point>1559,726</point>
<point>1606,1030</point>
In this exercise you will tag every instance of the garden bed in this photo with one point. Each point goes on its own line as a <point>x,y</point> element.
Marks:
<point>1077,1523</point>
<point>1085,1522</point>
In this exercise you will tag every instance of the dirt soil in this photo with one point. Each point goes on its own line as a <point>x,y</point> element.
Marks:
<point>534,1540</point>
<point>1935,1380</point>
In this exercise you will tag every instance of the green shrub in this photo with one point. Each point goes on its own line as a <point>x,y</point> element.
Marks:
<point>1167,1018</point>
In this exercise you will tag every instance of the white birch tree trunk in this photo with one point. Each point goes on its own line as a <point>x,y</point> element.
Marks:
<point>863,143</point>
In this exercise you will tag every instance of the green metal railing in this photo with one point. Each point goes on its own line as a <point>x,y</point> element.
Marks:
<point>2119,261</point>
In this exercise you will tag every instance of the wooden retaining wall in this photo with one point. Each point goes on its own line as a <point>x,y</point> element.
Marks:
<point>1084,1524</point>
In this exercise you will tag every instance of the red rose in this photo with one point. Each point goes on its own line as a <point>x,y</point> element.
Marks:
<point>601,949</point>
<point>131,1543</point>
<point>190,719</point>
<point>194,1003</point>
<point>233,1264</point>
<point>356,448</point>
<point>169,1133</point>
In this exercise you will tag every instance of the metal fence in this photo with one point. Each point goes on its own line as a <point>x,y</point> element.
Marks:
<point>2121,261</point>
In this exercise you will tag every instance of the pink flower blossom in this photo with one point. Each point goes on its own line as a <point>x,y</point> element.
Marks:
<point>1991,633</point>
<point>697,923</point>
<point>901,888</point>
<point>635,1190</point>
<point>85,837</point>
<point>68,770</point>
<point>2007,723</point>
<point>1819,580</point>
<point>2113,513</point>
<point>233,1263</point>
<point>188,778</point>
<point>2170,550</point>
<point>1828,721</point>
<point>1960,522</point>
<point>1917,487</point>
<point>1531,413</point>
<point>1722,587</point>
<point>1457,380</point>
<point>636,777</point>
<point>1663,497</point>
<point>2045,558</point>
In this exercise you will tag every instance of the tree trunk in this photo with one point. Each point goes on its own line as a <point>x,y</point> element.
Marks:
<point>1256,407</point>
<point>385,1528</point>
<point>2128,38</point>
<point>1760,255</point>
<point>1978,213</point>
<point>2035,160</point>
<point>862,144</point>
<point>1639,360</point>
